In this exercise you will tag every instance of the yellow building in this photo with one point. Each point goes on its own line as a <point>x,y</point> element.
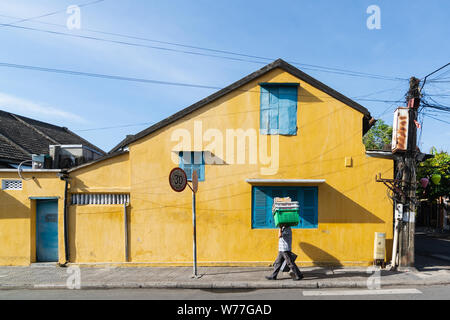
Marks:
<point>276,132</point>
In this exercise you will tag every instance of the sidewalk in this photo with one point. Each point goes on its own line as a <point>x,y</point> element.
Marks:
<point>52,277</point>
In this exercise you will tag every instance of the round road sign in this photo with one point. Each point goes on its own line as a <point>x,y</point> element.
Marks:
<point>178,179</point>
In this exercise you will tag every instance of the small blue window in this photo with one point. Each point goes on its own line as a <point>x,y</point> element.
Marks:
<point>190,161</point>
<point>262,201</point>
<point>278,114</point>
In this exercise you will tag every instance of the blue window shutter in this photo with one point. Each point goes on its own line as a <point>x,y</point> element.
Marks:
<point>274,111</point>
<point>278,110</point>
<point>264,111</point>
<point>309,208</point>
<point>271,194</point>
<point>190,161</point>
<point>288,110</point>
<point>259,217</point>
<point>181,154</point>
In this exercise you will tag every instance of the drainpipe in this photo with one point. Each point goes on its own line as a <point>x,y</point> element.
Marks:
<point>125,205</point>
<point>65,177</point>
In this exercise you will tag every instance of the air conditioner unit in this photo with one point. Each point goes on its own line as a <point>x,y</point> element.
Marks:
<point>68,156</point>
<point>41,161</point>
<point>400,130</point>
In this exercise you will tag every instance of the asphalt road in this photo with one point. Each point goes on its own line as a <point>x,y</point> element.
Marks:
<point>419,293</point>
<point>432,253</point>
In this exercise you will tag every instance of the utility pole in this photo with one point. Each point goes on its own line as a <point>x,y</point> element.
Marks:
<point>407,228</point>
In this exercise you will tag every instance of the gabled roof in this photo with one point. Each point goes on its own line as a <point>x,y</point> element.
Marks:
<point>276,64</point>
<point>20,137</point>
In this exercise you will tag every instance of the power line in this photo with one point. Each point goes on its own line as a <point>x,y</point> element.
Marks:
<point>141,80</point>
<point>390,107</point>
<point>378,92</point>
<point>305,66</point>
<point>104,76</point>
<point>437,70</point>
<point>131,79</point>
<point>149,123</point>
<point>427,115</point>
<point>116,127</point>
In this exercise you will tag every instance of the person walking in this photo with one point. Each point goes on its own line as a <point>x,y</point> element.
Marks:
<point>285,254</point>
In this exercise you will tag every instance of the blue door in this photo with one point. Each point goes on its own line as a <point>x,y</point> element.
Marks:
<point>47,230</point>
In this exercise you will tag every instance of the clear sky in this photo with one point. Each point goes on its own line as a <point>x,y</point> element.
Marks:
<point>413,41</point>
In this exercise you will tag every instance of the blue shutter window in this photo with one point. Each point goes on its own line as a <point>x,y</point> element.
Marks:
<point>264,113</point>
<point>278,109</point>
<point>262,201</point>
<point>190,161</point>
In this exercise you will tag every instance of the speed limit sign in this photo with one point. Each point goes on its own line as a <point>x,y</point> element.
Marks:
<point>178,179</point>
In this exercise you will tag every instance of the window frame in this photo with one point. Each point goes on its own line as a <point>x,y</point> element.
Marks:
<point>307,221</point>
<point>182,164</point>
<point>268,114</point>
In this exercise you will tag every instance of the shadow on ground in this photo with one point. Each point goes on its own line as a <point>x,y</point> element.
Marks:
<point>432,254</point>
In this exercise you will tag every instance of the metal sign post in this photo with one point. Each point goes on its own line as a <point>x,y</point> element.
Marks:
<point>194,222</point>
<point>178,182</point>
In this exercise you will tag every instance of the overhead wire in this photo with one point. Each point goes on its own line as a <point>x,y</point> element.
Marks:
<point>305,66</point>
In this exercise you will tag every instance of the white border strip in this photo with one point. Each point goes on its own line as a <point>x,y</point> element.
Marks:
<point>285,181</point>
<point>311,293</point>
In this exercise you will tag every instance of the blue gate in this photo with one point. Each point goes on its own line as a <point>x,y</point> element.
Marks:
<point>47,230</point>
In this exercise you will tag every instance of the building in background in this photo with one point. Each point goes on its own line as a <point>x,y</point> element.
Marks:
<point>24,140</point>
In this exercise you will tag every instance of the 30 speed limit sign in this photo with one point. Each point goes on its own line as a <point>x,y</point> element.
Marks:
<point>178,179</point>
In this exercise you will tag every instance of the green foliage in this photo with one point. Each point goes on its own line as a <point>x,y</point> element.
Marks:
<point>378,136</point>
<point>440,164</point>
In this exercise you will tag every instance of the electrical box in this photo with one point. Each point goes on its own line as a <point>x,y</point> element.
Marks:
<point>400,130</point>
<point>380,246</point>
<point>399,211</point>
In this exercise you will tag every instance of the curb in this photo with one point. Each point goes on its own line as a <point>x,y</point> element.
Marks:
<point>224,285</point>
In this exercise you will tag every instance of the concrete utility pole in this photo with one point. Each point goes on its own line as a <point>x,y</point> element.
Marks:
<point>407,229</point>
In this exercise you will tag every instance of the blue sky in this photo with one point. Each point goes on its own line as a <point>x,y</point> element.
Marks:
<point>412,41</point>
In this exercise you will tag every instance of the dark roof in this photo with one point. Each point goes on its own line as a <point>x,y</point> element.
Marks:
<point>20,137</point>
<point>276,64</point>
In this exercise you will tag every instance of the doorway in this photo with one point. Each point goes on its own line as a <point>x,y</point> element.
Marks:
<point>47,230</point>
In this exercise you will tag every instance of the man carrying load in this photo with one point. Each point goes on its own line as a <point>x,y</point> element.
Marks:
<point>284,241</point>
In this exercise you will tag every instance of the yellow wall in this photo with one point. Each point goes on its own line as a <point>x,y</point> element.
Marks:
<point>352,206</point>
<point>18,216</point>
<point>97,231</point>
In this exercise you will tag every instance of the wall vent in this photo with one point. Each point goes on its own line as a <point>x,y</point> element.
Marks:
<point>11,184</point>
<point>99,199</point>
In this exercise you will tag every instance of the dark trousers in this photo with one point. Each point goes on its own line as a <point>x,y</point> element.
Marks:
<point>285,256</point>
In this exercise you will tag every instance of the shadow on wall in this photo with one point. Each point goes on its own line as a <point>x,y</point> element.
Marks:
<point>318,256</point>
<point>336,207</point>
<point>11,208</point>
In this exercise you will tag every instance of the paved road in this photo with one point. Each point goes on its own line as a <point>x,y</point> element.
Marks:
<point>432,253</point>
<point>426,293</point>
